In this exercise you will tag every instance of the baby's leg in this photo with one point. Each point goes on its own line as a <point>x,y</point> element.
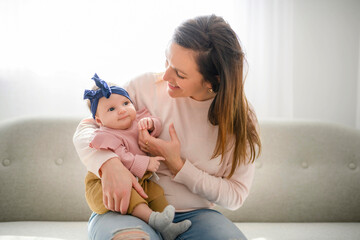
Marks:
<point>163,222</point>
<point>142,211</point>
<point>162,215</point>
<point>94,195</point>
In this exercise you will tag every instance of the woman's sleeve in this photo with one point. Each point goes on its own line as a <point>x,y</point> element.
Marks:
<point>228,193</point>
<point>93,159</point>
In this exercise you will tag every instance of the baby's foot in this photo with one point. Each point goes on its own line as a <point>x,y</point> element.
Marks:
<point>162,222</point>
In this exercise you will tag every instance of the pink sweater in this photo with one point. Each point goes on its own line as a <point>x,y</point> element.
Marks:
<point>202,181</point>
<point>125,143</point>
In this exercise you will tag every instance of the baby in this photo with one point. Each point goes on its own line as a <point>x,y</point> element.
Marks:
<point>119,123</point>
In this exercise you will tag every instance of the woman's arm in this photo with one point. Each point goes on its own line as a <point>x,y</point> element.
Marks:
<point>116,179</point>
<point>229,193</point>
<point>90,157</point>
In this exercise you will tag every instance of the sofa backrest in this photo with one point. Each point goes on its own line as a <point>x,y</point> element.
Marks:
<point>41,175</point>
<point>307,172</point>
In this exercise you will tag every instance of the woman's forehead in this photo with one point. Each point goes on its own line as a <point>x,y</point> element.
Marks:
<point>181,58</point>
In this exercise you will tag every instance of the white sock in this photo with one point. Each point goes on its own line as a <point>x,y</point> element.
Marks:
<point>162,222</point>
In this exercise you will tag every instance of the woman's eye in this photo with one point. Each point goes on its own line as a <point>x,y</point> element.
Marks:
<point>179,76</point>
<point>111,109</point>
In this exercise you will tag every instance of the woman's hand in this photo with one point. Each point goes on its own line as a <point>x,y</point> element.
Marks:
<point>170,150</point>
<point>117,182</point>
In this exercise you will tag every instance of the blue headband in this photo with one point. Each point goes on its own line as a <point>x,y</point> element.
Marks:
<point>104,91</point>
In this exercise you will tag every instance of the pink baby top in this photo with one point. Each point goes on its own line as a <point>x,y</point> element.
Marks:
<point>125,143</point>
<point>202,181</point>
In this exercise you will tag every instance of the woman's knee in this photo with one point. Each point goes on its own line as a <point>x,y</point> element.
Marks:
<point>131,233</point>
<point>209,224</point>
<point>115,226</point>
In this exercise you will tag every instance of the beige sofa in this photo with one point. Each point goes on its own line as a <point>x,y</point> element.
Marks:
<point>307,183</point>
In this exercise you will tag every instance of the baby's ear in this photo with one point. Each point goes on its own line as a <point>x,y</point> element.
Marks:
<point>98,121</point>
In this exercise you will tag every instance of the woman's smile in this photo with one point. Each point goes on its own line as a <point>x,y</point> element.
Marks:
<point>171,86</point>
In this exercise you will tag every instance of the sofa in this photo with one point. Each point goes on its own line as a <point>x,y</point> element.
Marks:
<point>306,185</point>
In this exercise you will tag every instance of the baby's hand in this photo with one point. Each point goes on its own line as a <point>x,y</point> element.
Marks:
<point>154,163</point>
<point>146,123</point>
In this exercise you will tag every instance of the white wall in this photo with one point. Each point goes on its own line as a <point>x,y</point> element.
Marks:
<point>326,60</point>
<point>41,75</point>
<point>49,50</point>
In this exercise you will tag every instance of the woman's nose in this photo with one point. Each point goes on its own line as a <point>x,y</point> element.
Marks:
<point>167,74</point>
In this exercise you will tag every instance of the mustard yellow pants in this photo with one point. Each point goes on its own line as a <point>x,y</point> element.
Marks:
<point>94,196</point>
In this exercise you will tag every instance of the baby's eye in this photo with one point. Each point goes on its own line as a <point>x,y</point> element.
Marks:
<point>111,109</point>
<point>126,103</point>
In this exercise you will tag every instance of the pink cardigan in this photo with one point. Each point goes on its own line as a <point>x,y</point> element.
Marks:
<point>125,143</point>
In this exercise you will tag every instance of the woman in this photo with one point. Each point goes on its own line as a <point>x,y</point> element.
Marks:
<point>209,148</point>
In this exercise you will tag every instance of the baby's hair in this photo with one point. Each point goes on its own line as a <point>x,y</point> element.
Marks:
<point>96,88</point>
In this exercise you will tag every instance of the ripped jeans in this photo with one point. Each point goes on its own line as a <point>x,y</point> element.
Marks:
<point>206,224</point>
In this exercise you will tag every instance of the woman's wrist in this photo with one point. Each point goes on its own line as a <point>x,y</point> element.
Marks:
<point>110,164</point>
<point>176,167</point>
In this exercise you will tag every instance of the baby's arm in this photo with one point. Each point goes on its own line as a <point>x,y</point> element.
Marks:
<point>137,164</point>
<point>154,163</point>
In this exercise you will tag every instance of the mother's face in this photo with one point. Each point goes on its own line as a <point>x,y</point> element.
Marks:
<point>182,75</point>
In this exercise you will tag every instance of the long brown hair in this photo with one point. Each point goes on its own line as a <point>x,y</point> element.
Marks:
<point>221,60</point>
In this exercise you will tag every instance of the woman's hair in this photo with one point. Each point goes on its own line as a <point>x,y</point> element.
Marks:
<point>220,60</point>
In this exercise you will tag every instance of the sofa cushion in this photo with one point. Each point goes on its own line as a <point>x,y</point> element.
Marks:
<point>43,229</point>
<point>253,231</point>
<point>304,231</point>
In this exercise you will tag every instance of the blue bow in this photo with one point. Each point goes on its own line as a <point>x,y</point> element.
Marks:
<point>103,91</point>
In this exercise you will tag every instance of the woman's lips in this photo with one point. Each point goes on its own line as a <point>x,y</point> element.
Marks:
<point>172,86</point>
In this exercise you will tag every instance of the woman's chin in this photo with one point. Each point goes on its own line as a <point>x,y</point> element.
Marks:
<point>172,93</point>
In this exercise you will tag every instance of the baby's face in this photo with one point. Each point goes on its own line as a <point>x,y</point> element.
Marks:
<point>115,112</point>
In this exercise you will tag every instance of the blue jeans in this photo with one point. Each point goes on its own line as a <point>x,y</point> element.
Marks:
<point>206,224</point>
